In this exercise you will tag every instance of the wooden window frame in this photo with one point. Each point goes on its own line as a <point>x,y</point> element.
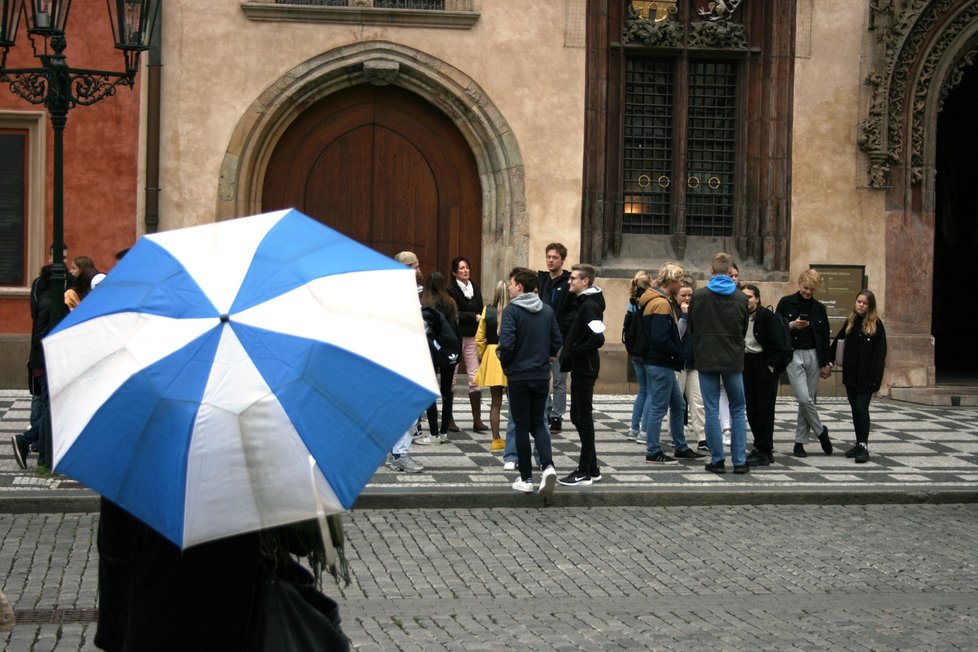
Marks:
<point>34,123</point>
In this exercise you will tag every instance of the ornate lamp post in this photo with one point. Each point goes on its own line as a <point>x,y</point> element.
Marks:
<point>61,88</point>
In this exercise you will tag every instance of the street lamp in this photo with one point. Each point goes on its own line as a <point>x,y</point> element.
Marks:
<point>61,88</point>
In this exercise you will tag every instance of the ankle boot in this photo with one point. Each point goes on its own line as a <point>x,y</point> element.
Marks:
<point>476,402</point>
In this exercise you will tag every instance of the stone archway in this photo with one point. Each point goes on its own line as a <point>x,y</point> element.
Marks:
<point>505,228</point>
<point>921,50</point>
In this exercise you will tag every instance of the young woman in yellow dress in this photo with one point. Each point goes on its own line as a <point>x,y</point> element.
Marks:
<point>490,372</point>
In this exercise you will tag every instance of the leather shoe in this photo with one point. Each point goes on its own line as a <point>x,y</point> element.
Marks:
<point>800,451</point>
<point>716,467</point>
<point>824,440</point>
<point>757,458</point>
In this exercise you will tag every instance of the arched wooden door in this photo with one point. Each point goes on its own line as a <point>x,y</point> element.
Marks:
<point>386,168</point>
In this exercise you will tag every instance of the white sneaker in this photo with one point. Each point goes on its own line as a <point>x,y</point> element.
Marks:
<point>641,438</point>
<point>424,440</point>
<point>405,463</point>
<point>526,486</point>
<point>548,481</point>
<point>509,466</point>
<point>726,437</point>
<point>631,434</point>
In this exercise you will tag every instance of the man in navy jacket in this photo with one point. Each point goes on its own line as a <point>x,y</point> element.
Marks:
<point>528,341</point>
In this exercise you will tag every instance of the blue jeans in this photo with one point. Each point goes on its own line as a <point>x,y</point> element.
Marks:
<point>663,394</point>
<point>710,388</point>
<point>528,404</point>
<point>638,409</point>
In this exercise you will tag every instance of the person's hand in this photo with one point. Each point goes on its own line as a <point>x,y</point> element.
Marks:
<point>684,306</point>
<point>826,371</point>
<point>800,323</point>
<point>478,317</point>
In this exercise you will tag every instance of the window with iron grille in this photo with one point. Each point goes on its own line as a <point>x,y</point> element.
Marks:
<point>648,146</point>
<point>651,149</point>
<point>711,148</point>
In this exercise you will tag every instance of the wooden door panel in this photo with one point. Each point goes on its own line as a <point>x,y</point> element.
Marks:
<point>386,168</point>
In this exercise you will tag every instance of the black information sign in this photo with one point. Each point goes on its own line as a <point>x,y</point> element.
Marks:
<point>840,286</point>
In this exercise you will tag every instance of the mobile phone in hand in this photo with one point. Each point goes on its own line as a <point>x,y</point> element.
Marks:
<point>803,317</point>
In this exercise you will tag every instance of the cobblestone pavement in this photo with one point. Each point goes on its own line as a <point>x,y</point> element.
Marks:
<point>917,451</point>
<point>805,577</point>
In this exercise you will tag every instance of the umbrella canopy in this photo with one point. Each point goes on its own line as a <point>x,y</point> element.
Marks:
<point>236,376</point>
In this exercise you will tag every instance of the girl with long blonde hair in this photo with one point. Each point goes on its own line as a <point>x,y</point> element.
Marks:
<point>490,372</point>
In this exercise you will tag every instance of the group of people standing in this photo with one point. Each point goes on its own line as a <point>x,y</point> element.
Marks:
<point>719,349</point>
<point>83,277</point>
<point>537,328</point>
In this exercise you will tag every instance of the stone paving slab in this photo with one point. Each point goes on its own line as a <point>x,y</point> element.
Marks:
<point>919,454</point>
<point>772,577</point>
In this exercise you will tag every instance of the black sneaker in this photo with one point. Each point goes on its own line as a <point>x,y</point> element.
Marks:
<point>556,424</point>
<point>21,451</point>
<point>595,476</point>
<point>824,440</point>
<point>862,455</point>
<point>852,451</point>
<point>688,454</point>
<point>658,458</point>
<point>701,445</point>
<point>741,468</point>
<point>576,479</point>
<point>716,467</point>
<point>757,458</point>
<point>800,451</point>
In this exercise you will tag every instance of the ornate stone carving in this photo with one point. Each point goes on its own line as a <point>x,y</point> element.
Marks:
<point>666,33</point>
<point>956,75</point>
<point>720,34</point>
<point>912,40</point>
<point>718,10</point>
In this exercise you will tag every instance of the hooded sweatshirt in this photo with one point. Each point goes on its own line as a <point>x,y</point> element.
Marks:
<point>585,335</point>
<point>528,338</point>
<point>718,320</point>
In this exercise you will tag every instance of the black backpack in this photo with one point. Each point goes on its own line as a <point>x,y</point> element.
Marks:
<point>443,340</point>
<point>779,351</point>
<point>633,334</point>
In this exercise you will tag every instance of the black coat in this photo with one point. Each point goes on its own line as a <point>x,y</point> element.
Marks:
<point>579,353</point>
<point>790,307</point>
<point>556,294</point>
<point>468,309</point>
<point>863,358</point>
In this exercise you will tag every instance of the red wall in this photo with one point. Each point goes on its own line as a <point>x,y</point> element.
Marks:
<point>100,153</point>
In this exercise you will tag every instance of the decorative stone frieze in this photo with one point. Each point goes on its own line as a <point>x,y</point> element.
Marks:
<point>718,34</point>
<point>914,41</point>
<point>666,33</point>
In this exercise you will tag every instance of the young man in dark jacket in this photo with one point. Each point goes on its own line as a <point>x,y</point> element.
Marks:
<point>718,320</point>
<point>812,359</point>
<point>553,286</point>
<point>762,367</point>
<point>664,358</point>
<point>579,356</point>
<point>528,341</point>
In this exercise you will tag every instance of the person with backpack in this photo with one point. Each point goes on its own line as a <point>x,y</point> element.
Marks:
<point>636,344</point>
<point>767,352</point>
<point>445,341</point>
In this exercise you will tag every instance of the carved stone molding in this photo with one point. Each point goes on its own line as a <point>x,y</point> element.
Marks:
<point>914,39</point>
<point>719,34</point>
<point>667,33</point>
<point>381,72</point>
<point>670,32</point>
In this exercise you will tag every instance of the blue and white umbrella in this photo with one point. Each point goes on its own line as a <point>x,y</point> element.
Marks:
<point>239,375</point>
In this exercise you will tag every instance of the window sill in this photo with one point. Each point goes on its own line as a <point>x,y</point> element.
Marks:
<point>258,10</point>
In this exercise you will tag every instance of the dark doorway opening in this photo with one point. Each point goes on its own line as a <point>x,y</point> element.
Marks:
<point>956,235</point>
